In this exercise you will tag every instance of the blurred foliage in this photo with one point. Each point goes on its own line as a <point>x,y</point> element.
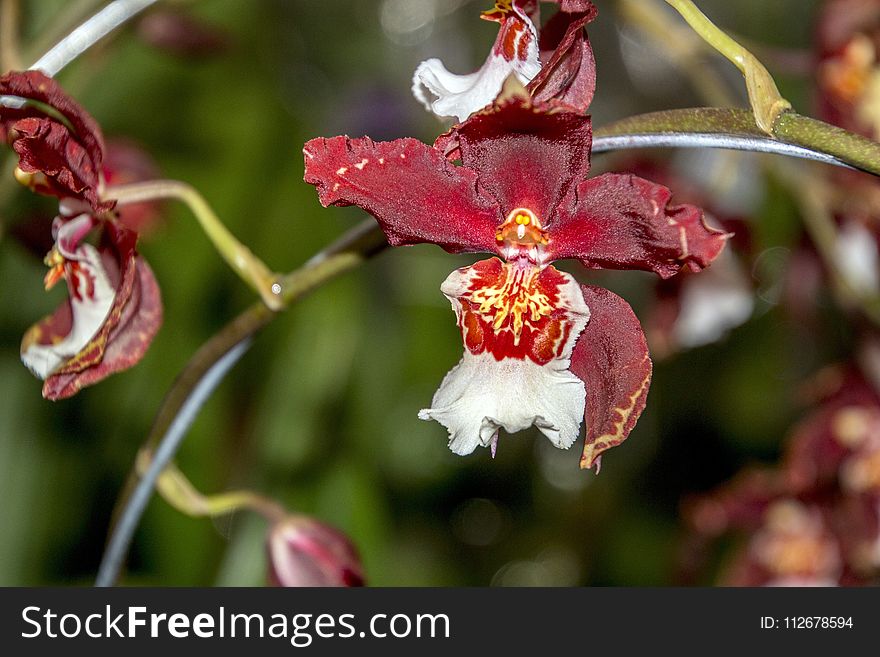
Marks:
<point>321,414</point>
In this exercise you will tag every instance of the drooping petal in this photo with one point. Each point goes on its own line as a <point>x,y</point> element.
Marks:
<point>414,192</point>
<point>611,358</point>
<point>568,71</point>
<point>515,52</point>
<point>519,326</point>
<point>527,154</point>
<point>59,161</point>
<point>112,314</point>
<point>620,221</point>
<point>127,342</point>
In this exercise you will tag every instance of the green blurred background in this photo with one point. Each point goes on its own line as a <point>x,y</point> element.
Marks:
<point>321,413</point>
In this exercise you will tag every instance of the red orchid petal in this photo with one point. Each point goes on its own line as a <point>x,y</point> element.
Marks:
<point>133,321</point>
<point>575,6</point>
<point>70,160</point>
<point>526,154</point>
<point>620,221</point>
<point>611,358</point>
<point>414,192</point>
<point>569,70</point>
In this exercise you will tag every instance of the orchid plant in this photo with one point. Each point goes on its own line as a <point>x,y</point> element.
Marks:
<point>506,173</point>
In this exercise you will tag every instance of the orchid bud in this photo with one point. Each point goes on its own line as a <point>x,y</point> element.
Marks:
<point>305,552</point>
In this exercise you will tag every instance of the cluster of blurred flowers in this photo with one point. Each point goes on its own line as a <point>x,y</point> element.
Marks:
<point>813,520</point>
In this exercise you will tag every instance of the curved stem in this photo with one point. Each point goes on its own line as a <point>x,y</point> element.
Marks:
<point>179,492</point>
<point>242,260</point>
<point>86,35</point>
<point>353,248</point>
<point>766,101</point>
<point>117,548</point>
<point>64,21</point>
<point>682,45</point>
<point>796,136</point>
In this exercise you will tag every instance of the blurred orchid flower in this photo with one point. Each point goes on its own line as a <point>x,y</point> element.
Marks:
<point>113,310</point>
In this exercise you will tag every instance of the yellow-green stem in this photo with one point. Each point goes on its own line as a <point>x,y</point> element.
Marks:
<point>249,267</point>
<point>682,45</point>
<point>766,101</point>
<point>180,493</point>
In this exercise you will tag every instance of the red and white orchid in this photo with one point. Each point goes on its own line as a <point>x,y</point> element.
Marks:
<point>540,349</point>
<point>114,309</point>
<point>524,49</point>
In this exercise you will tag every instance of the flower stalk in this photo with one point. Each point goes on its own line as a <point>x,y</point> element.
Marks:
<point>240,258</point>
<point>767,103</point>
<point>350,250</point>
<point>796,135</point>
<point>179,492</point>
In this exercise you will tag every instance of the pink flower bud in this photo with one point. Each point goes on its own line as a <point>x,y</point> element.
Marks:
<point>305,552</point>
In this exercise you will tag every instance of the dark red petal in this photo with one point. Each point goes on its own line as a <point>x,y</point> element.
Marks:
<point>611,358</point>
<point>414,192</point>
<point>568,73</point>
<point>34,85</point>
<point>620,221</point>
<point>69,161</point>
<point>131,324</point>
<point>527,154</point>
<point>575,6</point>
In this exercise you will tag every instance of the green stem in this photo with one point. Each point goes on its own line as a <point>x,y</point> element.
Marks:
<point>790,129</point>
<point>178,491</point>
<point>766,101</point>
<point>683,46</point>
<point>242,260</point>
<point>350,250</point>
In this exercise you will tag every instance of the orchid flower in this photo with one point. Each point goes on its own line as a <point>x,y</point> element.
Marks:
<point>519,50</point>
<point>540,349</point>
<point>113,310</point>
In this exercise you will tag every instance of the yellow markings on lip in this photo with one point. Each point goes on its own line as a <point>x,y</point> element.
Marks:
<point>510,305</point>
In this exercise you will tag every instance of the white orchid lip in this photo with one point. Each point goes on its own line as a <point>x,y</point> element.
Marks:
<point>519,323</point>
<point>448,94</point>
<point>91,297</point>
